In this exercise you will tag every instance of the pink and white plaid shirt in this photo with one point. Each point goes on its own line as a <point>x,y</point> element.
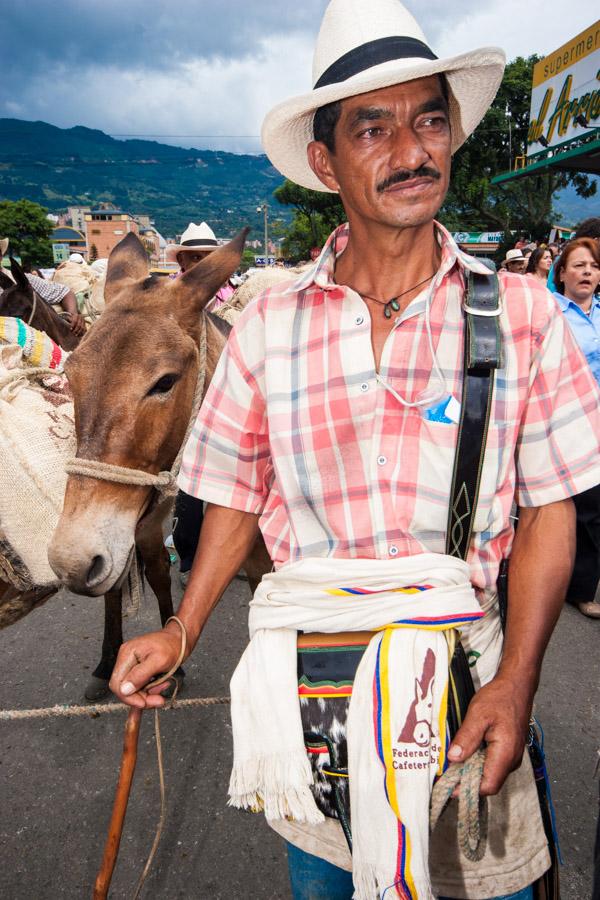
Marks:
<point>298,427</point>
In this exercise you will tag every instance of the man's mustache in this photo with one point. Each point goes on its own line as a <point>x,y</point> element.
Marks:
<point>406,174</point>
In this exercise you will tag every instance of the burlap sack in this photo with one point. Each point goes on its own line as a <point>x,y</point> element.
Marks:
<point>88,285</point>
<point>77,276</point>
<point>37,435</point>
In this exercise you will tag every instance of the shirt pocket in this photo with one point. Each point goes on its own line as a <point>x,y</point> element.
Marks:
<point>437,454</point>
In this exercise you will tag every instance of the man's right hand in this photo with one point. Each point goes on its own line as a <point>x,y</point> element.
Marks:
<point>139,662</point>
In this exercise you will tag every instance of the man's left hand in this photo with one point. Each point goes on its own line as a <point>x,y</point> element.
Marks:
<point>76,323</point>
<point>498,715</point>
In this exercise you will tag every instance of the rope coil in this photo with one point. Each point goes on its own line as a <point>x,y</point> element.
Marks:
<point>472,820</point>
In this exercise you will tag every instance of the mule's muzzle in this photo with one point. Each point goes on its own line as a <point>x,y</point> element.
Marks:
<point>88,574</point>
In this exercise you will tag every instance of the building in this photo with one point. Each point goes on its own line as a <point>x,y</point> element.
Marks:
<point>564,118</point>
<point>106,227</point>
<point>66,240</point>
<point>76,216</point>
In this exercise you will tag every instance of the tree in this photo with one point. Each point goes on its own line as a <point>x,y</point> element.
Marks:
<point>317,215</point>
<point>473,203</point>
<point>28,229</point>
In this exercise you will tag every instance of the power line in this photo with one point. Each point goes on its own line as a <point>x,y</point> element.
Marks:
<point>119,134</point>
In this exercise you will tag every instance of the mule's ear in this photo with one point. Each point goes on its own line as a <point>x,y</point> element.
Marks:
<point>198,285</point>
<point>127,264</point>
<point>5,281</point>
<point>19,275</point>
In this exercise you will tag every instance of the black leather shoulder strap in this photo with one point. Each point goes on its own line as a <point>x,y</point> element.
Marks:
<point>482,356</point>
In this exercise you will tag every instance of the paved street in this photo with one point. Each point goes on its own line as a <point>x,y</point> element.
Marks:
<point>57,776</point>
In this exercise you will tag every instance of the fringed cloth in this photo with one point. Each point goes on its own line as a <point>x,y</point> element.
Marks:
<point>396,730</point>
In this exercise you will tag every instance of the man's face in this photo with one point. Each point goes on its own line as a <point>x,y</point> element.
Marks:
<point>391,163</point>
<point>517,265</point>
<point>189,258</point>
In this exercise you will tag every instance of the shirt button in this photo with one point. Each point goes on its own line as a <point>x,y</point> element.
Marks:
<point>381,460</point>
<point>359,320</point>
<point>393,551</point>
<point>364,387</point>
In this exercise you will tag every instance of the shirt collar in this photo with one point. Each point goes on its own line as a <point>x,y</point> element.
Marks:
<point>565,303</point>
<point>321,274</point>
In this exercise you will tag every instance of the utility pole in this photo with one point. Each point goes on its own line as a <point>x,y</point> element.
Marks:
<point>509,117</point>
<point>264,208</point>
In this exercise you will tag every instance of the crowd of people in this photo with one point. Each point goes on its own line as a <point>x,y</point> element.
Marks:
<point>571,271</point>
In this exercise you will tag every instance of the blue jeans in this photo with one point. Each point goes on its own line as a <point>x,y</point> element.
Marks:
<point>312,878</point>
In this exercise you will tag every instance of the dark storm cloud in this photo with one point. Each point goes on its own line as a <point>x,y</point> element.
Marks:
<point>39,36</point>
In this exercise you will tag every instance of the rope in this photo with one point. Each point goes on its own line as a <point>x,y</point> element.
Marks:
<point>94,468</point>
<point>33,309</point>
<point>168,676</point>
<point>472,824</point>
<point>94,710</point>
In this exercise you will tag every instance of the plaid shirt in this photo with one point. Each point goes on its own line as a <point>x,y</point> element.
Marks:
<point>297,425</point>
<point>50,291</point>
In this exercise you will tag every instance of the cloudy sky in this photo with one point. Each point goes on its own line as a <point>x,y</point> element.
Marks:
<point>204,72</point>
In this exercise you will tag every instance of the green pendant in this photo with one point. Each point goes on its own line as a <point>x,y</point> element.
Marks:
<point>394,304</point>
<point>387,311</point>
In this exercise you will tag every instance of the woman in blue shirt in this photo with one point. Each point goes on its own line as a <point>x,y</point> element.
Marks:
<point>577,275</point>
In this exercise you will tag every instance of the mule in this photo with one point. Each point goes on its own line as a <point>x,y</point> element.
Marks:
<point>18,299</point>
<point>133,380</point>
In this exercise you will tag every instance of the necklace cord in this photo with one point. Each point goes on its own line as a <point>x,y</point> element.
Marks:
<point>397,297</point>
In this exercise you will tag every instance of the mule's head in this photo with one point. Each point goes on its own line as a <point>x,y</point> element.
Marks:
<point>17,294</point>
<point>133,380</point>
<point>18,300</point>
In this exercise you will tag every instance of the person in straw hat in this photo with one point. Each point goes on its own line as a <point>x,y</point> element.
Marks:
<point>331,426</point>
<point>515,262</point>
<point>197,242</point>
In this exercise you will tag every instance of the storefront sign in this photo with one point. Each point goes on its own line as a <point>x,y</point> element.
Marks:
<point>566,85</point>
<point>478,237</point>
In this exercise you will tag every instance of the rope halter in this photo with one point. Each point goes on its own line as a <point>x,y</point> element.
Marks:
<point>164,482</point>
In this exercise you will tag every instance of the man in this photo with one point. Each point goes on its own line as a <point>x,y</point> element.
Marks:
<point>331,425</point>
<point>516,261</point>
<point>197,242</point>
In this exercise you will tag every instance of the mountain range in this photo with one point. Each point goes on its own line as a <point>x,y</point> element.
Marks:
<point>79,166</point>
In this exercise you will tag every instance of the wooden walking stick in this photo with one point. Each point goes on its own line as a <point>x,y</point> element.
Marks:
<point>115,829</point>
<point>126,773</point>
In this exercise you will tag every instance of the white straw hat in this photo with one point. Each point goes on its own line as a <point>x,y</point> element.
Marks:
<point>195,237</point>
<point>364,45</point>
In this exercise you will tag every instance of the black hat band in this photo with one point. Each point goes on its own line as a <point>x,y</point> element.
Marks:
<point>373,53</point>
<point>204,242</point>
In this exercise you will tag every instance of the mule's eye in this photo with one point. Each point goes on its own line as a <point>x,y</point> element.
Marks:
<point>163,385</point>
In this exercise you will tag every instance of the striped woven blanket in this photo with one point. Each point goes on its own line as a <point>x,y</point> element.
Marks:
<point>39,350</point>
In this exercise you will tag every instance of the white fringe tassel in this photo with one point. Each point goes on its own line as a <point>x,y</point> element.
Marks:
<point>279,785</point>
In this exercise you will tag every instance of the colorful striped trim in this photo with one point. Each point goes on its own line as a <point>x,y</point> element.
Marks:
<point>307,690</point>
<point>38,348</point>
<point>409,589</point>
<point>404,883</point>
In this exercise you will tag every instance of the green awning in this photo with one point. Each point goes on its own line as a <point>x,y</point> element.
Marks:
<point>585,159</point>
